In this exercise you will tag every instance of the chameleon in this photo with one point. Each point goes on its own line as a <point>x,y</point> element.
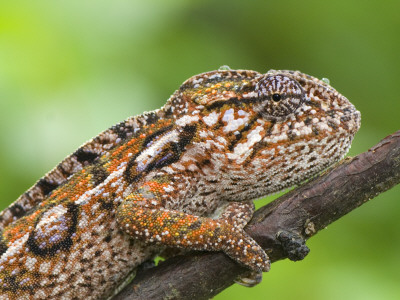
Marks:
<point>182,177</point>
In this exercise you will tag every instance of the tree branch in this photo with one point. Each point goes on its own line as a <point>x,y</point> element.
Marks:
<point>303,211</point>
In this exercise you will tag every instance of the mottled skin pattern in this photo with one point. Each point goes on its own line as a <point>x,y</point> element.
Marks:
<point>183,176</point>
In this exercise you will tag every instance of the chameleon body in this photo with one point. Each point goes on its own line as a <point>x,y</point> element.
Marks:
<point>183,176</point>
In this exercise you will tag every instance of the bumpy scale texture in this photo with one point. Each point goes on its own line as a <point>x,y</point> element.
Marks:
<point>183,176</point>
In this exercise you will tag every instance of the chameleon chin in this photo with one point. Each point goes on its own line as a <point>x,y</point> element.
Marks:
<point>182,176</point>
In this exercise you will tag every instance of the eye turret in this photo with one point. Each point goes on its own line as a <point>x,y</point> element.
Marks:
<point>279,96</point>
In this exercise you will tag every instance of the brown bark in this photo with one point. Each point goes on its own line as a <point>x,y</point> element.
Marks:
<point>303,212</point>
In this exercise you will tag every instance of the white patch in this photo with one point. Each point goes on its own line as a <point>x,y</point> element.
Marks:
<point>306,130</point>
<point>270,152</point>
<point>228,116</point>
<point>63,277</point>
<point>323,126</point>
<point>57,269</point>
<point>95,207</point>
<point>169,170</point>
<point>211,119</point>
<point>168,189</point>
<point>178,166</point>
<point>215,76</point>
<point>210,143</point>
<point>193,168</point>
<point>185,120</point>
<point>242,150</point>
<point>232,123</point>
<point>40,294</point>
<point>30,263</point>
<point>52,215</point>
<point>298,124</point>
<point>221,140</point>
<point>83,221</point>
<point>324,105</point>
<point>250,95</point>
<point>203,134</point>
<point>44,267</point>
<point>196,81</point>
<point>277,138</point>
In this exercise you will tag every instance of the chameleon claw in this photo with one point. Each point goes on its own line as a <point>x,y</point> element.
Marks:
<point>250,279</point>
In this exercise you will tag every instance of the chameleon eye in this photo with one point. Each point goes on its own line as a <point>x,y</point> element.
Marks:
<point>276,97</point>
<point>279,96</point>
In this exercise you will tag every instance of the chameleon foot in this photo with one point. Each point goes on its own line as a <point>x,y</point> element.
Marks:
<point>293,244</point>
<point>246,251</point>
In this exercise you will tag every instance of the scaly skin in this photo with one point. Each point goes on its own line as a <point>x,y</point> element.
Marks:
<point>183,176</point>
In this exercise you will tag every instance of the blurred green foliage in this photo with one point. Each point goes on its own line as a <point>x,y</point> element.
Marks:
<point>69,70</point>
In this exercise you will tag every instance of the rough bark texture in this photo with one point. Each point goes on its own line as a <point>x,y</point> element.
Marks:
<point>299,214</point>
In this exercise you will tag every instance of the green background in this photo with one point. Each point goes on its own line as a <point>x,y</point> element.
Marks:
<point>69,70</point>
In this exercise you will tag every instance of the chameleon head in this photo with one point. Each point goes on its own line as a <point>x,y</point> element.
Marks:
<point>268,131</point>
<point>313,125</point>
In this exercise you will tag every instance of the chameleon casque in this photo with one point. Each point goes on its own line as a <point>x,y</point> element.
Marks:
<point>183,176</point>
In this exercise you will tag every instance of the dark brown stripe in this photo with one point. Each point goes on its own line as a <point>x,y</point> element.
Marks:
<point>151,137</point>
<point>85,157</point>
<point>106,205</point>
<point>64,172</point>
<point>17,210</point>
<point>307,121</point>
<point>99,174</point>
<point>46,186</point>
<point>3,246</point>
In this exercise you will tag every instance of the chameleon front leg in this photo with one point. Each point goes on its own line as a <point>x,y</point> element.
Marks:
<point>142,216</point>
<point>239,214</point>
